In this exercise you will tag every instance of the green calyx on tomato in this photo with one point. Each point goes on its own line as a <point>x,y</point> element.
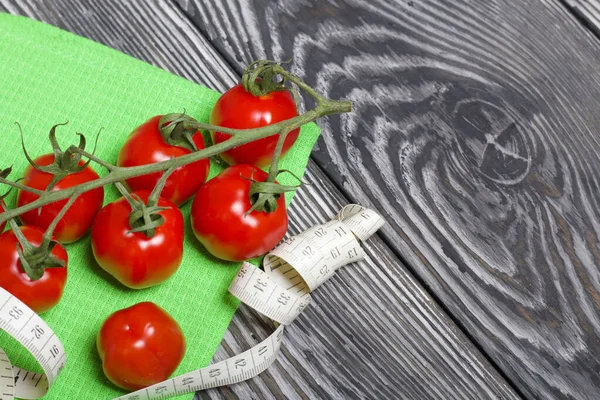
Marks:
<point>164,138</point>
<point>262,77</point>
<point>54,172</point>
<point>264,196</point>
<point>33,264</point>
<point>146,216</point>
<point>64,162</point>
<point>34,259</point>
<point>260,100</point>
<point>138,238</point>
<point>44,289</point>
<point>176,132</point>
<point>224,223</point>
<point>133,258</point>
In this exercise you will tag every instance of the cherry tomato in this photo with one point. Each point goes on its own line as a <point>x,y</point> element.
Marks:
<point>219,221</point>
<point>239,109</point>
<point>42,294</point>
<point>80,216</point>
<point>140,346</point>
<point>134,259</point>
<point>145,145</point>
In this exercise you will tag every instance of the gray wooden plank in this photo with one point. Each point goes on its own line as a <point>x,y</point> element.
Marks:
<point>373,332</point>
<point>588,11</point>
<point>475,131</point>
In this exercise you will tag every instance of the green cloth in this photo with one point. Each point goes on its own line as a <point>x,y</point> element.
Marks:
<point>49,76</point>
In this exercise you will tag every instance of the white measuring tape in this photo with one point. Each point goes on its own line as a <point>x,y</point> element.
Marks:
<point>32,332</point>
<point>281,292</point>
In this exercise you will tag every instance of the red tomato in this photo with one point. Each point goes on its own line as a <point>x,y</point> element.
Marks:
<point>42,294</point>
<point>140,346</point>
<point>219,222</point>
<point>78,219</point>
<point>145,145</point>
<point>240,109</point>
<point>136,260</point>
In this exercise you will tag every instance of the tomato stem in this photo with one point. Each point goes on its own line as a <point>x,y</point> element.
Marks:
<point>274,167</point>
<point>15,228</point>
<point>47,238</point>
<point>92,157</point>
<point>21,187</point>
<point>158,188</point>
<point>239,137</point>
<point>264,195</point>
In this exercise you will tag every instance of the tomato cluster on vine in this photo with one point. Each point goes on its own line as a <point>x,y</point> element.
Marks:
<point>138,239</point>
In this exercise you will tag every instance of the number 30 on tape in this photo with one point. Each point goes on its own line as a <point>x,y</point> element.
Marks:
<point>281,292</point>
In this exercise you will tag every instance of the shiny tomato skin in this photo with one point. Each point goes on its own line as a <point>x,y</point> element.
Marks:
<point>145,145</point>
<point>39,295</point>
<point>80,216</point>
<point>240,109</point>
<point>132,258</point>
<point>218,219</point>
<point>140,346</point>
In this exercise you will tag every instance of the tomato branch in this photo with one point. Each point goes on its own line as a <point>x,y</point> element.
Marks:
<point>239,137</point>
<point>21,187</point>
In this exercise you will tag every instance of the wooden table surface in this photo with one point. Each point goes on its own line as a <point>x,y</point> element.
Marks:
<point>475,133</point>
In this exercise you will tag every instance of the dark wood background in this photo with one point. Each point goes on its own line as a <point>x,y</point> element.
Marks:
<point>475,133</point>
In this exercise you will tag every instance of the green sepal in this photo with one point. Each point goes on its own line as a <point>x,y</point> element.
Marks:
<point>175,130</point>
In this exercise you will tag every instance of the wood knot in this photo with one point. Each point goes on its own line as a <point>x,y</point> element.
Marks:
<point>490,139</point>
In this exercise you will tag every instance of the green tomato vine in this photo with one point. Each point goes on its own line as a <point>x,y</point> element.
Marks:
<point>260,78</point>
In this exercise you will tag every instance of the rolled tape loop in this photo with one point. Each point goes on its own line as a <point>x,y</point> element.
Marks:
<point>363,222</point>
<point>292,270</point>
<point>257,290</point>
<point>23,324</point>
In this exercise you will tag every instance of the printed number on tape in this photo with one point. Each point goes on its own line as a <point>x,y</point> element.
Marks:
<point>292,270</point>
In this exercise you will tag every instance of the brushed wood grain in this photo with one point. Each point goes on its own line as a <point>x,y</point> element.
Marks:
<point>373,332</point>
<point>588,11</point>
<point>475,131</point>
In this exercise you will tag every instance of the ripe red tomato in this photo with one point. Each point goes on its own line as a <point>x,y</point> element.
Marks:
<point>219,222</point>
<point>136,260</point>
<point>145,145</point>
<point>42,294</point>
<point>240,109</point>
<point>78,219</point>
<point>140,346</point>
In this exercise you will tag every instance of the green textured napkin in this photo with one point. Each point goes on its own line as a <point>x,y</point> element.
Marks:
<point>48,76</point>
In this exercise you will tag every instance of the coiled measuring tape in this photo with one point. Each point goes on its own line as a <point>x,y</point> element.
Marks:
<point>281,292</point>
<point>23,324</point>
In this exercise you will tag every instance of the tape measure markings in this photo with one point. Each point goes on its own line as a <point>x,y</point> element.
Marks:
<point>260,356</point>
<point>281,292</point>
<point>32,376</point>
<point>36,336</point>
<point>7,376</point>
<point>283,310</point>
